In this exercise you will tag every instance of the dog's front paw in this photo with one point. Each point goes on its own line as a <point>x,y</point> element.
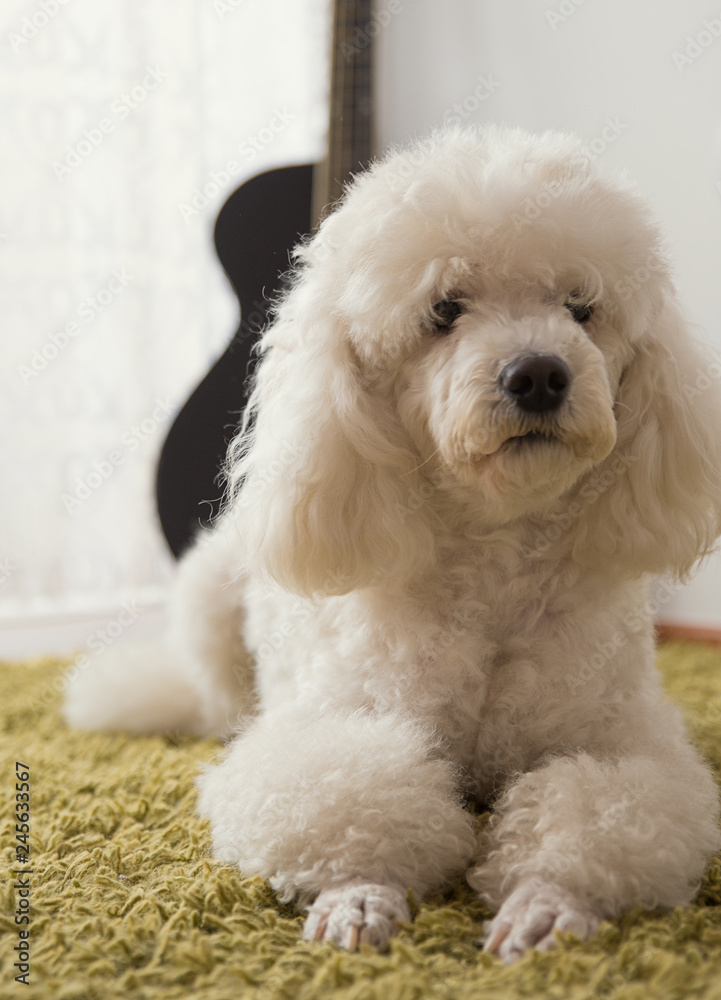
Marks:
<point>357,913</point>
<point>531,915</point>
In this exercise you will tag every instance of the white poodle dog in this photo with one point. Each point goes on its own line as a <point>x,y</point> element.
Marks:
<point>478,426</point>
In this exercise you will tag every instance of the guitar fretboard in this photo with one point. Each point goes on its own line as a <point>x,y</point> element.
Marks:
<point>349,131</point>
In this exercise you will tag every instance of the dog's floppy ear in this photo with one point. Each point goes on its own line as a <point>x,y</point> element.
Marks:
<point>323,481</point>
<point>655,504</point>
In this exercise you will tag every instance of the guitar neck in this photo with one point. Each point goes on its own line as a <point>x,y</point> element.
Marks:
<point>349,127</point>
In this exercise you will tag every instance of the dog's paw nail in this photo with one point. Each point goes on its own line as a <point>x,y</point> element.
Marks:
<point>352,944</point>
<point>320,930</point>
<point>496,938</point>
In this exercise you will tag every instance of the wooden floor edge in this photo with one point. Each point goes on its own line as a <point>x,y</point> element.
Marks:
<point>668,631</point>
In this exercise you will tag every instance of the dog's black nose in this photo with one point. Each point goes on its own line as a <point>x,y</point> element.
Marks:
<point>537,383</point>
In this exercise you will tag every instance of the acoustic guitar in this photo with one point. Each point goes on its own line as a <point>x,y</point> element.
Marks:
<point>255,231</point>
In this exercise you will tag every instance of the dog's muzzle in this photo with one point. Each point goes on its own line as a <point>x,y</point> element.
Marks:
<point>537,383</point>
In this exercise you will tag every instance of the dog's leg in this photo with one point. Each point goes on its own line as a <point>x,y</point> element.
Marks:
<point>198,679</point>
<point>207,622</point>
<point>355,807</point>
<point>582,839</point>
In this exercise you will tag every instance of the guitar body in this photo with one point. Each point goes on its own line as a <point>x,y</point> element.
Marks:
<point>257,227</point>
<point>255,231</point>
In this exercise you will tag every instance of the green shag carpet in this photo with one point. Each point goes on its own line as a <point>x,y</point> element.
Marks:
<point>126,902</point>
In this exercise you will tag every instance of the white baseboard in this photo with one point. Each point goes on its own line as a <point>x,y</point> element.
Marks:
<point>64,633</point>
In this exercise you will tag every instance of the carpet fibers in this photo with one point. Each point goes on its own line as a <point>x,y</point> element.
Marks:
<point>126,902</point>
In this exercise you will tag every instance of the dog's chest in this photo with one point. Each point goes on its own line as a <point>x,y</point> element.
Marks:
<point>480,651</point>
<point>451,648</point>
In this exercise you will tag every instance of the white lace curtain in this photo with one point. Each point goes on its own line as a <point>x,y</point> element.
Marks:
<point>115,114</point>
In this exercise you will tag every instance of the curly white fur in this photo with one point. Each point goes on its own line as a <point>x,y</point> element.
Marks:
<point>421,591</point>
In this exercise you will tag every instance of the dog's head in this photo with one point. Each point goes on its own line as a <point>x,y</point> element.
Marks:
<point>484,331</point>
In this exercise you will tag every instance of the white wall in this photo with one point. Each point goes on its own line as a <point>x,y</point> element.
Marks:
<point>574,66</point>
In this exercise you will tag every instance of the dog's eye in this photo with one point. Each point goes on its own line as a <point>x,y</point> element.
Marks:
<point>445,313</point>
<point>580,311</point>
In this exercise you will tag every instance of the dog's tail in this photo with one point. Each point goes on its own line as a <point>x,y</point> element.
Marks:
<point>139,688</point>
<point>199,679</point>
